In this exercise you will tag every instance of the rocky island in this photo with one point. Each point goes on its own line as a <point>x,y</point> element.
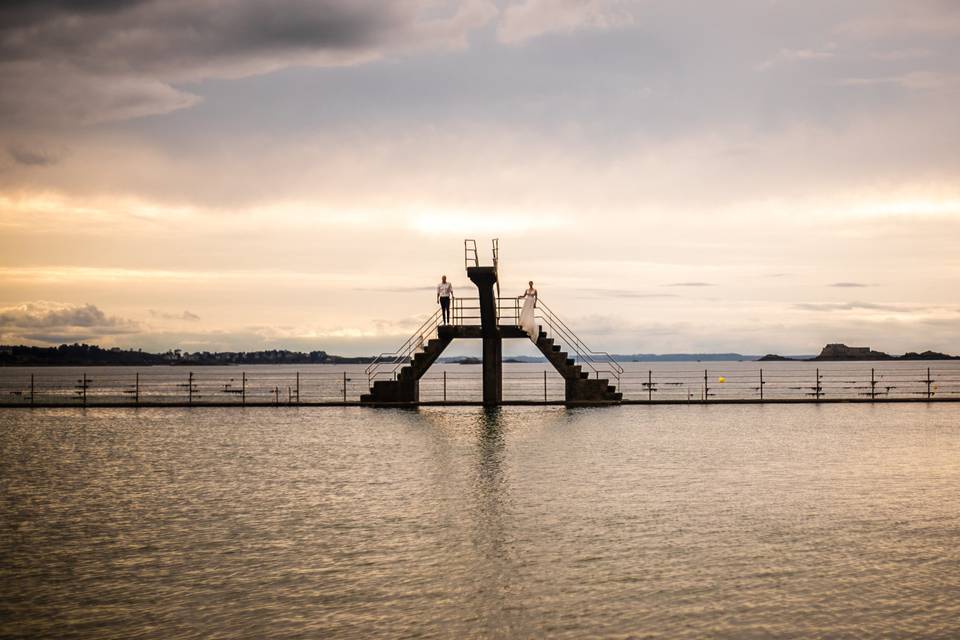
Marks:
<point>841,352</point>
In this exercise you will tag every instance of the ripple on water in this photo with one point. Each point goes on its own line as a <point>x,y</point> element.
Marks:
<point>752,521</point>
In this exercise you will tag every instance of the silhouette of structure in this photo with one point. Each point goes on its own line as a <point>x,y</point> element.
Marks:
<point>590,377</point>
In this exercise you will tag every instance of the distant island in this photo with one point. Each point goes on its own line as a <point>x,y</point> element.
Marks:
<point>841,352</point>
<point>86,355</point>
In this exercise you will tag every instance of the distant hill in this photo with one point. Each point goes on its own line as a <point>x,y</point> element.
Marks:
<point>86,355</point>
<point>838,352</point>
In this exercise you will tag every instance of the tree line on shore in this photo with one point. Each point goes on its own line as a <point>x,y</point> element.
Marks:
<point>93,355</point>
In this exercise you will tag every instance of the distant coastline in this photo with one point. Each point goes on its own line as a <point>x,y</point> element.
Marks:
<point>84,355</point>
<point>842,353</point>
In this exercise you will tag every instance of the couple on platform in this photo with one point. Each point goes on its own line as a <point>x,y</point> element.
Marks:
<point>526,321</point>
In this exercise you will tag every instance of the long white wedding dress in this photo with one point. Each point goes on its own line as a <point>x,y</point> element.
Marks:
<point>528,320</point>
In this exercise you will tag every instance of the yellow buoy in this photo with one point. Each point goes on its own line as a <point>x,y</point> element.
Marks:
<point>722,379</point>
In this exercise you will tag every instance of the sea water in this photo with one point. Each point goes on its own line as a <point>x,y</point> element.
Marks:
<point>632,521</point>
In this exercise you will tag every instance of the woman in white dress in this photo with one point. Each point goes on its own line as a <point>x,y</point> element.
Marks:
<point>528,320</point>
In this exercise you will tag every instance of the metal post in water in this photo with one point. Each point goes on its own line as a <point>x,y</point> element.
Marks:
<point>344,386</point>
<point>190,388</point>
<point>816,389</point>
<point>84,389</point>
<point>32,389</point>
<point>873,386</point>
<point>298,387</point>
<point>243,389</point>
<point>928,383</point>
<point>136,390</point>
<point>761,384</point>
<point>706,386</point>
<point>649,385</point>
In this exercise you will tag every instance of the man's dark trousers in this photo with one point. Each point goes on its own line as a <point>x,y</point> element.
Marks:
<point>445,308</point>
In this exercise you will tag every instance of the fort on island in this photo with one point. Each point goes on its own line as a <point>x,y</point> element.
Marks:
<point>589,377</point>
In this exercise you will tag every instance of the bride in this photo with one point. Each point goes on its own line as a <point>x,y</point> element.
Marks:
<point>527,320</point>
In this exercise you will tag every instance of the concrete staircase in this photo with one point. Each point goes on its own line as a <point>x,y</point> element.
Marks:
<point>406,387</point>
<point>580,387</point>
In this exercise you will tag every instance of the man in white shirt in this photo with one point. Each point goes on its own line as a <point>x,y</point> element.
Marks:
<point>444,293</point>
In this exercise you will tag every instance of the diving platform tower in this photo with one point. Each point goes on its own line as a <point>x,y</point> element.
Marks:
<point>395,377</point>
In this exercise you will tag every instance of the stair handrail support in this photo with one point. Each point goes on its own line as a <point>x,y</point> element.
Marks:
<point>399,357</point>
<point>581,344</point>
<point>470,253</point>
<point>597,361</point>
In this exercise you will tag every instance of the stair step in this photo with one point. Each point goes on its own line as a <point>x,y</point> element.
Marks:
<point>571,361</point>
<point>556,347</point>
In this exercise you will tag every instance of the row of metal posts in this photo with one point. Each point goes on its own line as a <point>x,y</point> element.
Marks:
<point>817,389</point>
<point>84,383</point>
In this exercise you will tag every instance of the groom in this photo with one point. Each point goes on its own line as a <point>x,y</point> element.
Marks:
<point>444,293</point>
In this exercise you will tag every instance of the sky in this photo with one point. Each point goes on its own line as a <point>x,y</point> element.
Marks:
<point>753,176</point>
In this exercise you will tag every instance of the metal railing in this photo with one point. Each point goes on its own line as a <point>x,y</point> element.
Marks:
<point>598,362</point>
<point>386,365</point>
<point>470,254</point>
<point>466,311</point>
<point>662,383</point>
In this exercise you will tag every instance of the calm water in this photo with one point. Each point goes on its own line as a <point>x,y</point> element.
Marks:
<point>680,522</point>
<point>454,382</point>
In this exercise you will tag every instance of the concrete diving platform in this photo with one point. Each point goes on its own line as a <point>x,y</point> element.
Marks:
<point>395,377</point>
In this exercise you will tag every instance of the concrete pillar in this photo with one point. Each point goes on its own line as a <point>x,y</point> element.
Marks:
<point>485,278</point>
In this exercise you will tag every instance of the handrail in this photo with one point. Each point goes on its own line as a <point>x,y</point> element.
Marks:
<point>399,357</point>
<point>496,266</point>
<point>470,247</point>
<point>508,309</point>
<point>597,361</point>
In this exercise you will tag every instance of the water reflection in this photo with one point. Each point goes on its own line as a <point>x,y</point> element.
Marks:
<point>685,522</point>
<point>490,526</point>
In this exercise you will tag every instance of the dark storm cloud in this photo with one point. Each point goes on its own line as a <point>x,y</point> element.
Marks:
<point>151,36</point>
<point>93,61</point>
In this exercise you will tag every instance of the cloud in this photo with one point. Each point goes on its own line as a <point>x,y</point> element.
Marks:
<point>186,315</point>
<point>532,18</point>
<point>93,62</point>
<point>54,322</point>
<point>401,290</point>
<point>31,157</point>
<point>691,284</point>
<point>796,55</point>
<point>854,306</point>
<point>919,80</point>
<point>625,293</point>
<point>849,285</point>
